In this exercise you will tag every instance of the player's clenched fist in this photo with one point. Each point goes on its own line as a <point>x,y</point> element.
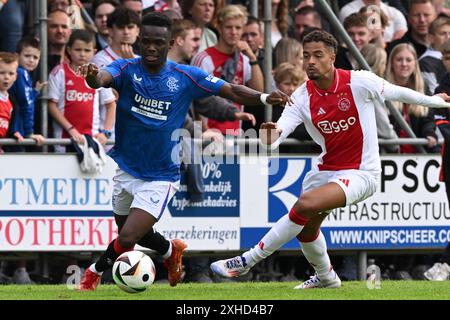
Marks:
<point>88,70</point>
<point>279,98</point>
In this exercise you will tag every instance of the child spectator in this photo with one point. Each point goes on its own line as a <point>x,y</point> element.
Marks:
<point>73,105</point>
<point>288,77</point>
<point>23,94</point>
<point>8,74</point>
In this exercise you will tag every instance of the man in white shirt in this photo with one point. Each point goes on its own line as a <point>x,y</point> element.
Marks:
<point>337,108</point>
<point>397,23</point>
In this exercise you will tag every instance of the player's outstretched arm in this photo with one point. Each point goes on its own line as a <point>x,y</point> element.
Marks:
<point>244,95</point>
<point>95,78</point>
<point>397,93</point>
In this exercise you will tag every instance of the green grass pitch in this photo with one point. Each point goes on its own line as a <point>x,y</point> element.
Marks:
<point>353,290</point>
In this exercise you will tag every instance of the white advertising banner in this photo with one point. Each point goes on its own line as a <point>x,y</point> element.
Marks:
<point>409,210</point>
<point>48,204</point>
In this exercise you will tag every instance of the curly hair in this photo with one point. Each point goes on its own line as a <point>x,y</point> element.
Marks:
<point>321,36</point>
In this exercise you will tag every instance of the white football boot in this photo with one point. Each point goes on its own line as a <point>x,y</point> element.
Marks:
<point>439,272</point>
<point>230,268</point>
<point>315,282</point>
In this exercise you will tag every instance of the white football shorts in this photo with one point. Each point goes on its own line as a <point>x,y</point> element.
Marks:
<point>357,185</point>
<point>150,196</point>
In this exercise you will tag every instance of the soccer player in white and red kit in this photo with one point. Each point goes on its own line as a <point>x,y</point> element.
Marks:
<point>337,109</point>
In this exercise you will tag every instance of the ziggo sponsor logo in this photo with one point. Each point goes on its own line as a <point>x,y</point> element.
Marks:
<point>328,127</point>
<point>73,95</point>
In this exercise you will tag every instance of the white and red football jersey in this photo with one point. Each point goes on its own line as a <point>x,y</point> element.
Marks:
<point>211,61</point>
<point>105,57</point>
<point>341,119</point>
<point>76,100</point>
<point>101,59</point>
<point>5,114</point>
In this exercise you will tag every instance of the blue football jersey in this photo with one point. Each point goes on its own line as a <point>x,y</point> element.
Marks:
<point>150,109</point>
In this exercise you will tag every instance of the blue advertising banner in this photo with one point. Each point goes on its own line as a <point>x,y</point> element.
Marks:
<point>221,196</point>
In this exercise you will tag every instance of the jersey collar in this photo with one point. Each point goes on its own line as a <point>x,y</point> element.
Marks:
<point>332,88</point>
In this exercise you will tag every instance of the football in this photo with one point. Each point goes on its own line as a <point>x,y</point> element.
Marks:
<point>133,271</point>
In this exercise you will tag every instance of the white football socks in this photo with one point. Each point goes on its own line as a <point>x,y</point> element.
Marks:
<point>169,251</point>
<point>94,270</point>
<point>281,232</point>
<point>316,254</point>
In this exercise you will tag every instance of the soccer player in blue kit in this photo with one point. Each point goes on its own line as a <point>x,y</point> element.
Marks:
<point>155,95</point>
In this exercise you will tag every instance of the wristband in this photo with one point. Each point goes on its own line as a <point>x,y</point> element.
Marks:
<point>107,133</point>
<point>70,128</point>
<point>263,98</point>
<point>253,63</point>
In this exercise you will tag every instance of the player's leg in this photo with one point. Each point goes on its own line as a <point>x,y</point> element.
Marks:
<point>356,186</point>
<point>121,202</point>
<point>171,251</point>
<point>152,240</point>
<point>314,248</point>
<point>323,198</point>
<point>136,194</point>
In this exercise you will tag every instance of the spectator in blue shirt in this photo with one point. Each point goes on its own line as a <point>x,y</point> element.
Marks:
<point>23,94</point>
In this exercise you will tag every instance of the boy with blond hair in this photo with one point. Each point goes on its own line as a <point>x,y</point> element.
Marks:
<point>231,59</point>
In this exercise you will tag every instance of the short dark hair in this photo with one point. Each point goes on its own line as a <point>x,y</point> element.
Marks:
<point>307,31</point>
<point>28,41</point>
<point>80,34</point>
<point>414,2</point>
<point>157,19</point>
<point>251,20</point>
<point>321,36</point>
<point>356,20</point>
<point>98,3</point>
<point>122,17</point>
<point>303,11</point>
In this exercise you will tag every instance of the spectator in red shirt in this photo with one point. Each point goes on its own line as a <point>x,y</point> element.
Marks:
<point>231,59</point>
<point>8,74</point>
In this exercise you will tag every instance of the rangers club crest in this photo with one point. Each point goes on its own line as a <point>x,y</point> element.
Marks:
<point>172,84</point>
<point>344,104</point>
